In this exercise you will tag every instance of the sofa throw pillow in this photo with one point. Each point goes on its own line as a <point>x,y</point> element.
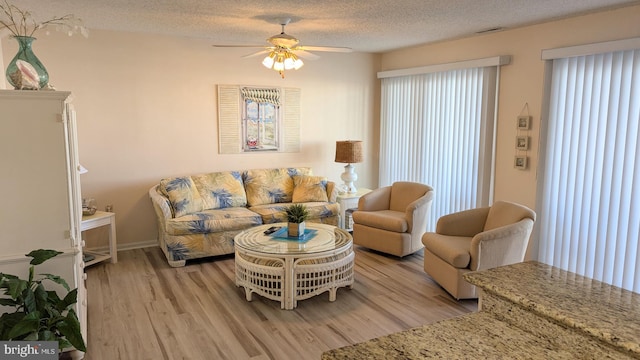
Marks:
<point>183,195</point>
<point>270,186</point>
<point>221,190</point>
<point>308,188</point>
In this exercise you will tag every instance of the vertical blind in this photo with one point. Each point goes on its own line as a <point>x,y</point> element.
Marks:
<point>437,129</point>
<point>590,198</point>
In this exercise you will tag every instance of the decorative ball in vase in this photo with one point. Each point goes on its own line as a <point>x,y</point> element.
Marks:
<point>296,216</point>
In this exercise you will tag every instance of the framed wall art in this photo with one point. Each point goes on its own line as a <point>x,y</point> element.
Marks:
<point>522,142</point>
<point>520,162</point>
<point>258,119</point>
<point>524,122</point>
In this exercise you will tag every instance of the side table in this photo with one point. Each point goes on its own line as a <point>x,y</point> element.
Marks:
<point>101,218</point>
<point>349,201</point>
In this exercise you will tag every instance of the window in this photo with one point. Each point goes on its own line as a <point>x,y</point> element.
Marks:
<point>260,119</point>
<point>437,128</point>
<point>589,195</point>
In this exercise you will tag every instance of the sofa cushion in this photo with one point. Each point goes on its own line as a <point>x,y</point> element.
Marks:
<point>207,221</point>
<point>382,219</point>
<point>307,188</point>
<point>271,186</point>
<point>452,249</point>
<point>274,213</point>
<point>183,195</point>
<point>221,190</point>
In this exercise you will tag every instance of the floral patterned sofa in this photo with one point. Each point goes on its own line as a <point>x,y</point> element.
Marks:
<point>199,215</point>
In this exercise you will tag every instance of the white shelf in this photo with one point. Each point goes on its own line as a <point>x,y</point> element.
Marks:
<point>98,257</point>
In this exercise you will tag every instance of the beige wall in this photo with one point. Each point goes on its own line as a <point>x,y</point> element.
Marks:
<point>521,82</point>
<point>146,108</point>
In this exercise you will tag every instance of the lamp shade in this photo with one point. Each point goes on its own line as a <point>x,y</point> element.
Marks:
<point>349,151</point>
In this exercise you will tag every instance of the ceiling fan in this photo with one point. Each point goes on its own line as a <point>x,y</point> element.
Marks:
<point>284,51</point>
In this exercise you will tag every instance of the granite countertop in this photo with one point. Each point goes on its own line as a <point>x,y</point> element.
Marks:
<point>606,318</point>
<point>475,336</point>
<point>598,309</point>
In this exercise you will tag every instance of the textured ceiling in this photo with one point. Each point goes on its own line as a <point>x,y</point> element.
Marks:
<point>367,26</point>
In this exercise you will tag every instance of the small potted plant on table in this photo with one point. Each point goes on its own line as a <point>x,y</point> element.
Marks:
<point>296,215</point>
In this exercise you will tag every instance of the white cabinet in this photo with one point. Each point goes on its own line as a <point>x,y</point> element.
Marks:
<point>39,187</point>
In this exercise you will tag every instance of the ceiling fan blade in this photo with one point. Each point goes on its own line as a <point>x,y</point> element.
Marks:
<point>305,54</point>
<point>325,48</point>
<point>266,51</point>
<point>240,46</point>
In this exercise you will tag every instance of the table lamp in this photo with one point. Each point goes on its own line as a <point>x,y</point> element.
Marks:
<point>349,152</point>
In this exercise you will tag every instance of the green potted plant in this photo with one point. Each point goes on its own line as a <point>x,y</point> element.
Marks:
<point>296,215</point>
<point>40,314</point>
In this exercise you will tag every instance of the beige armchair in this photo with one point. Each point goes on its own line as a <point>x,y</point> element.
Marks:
<point>393,218</point>
<point>476,239</point>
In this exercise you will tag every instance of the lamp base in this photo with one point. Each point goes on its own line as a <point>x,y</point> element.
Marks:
<point>349,176</point>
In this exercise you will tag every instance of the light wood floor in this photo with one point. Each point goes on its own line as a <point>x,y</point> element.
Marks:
<point>140,308</point>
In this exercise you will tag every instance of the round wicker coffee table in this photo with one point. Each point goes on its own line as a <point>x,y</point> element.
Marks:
<point>287,269</point>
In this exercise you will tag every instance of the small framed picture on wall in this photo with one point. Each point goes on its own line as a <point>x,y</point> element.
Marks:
<point>520,162</point>
<point>524,122</point>
<point>522,142</point>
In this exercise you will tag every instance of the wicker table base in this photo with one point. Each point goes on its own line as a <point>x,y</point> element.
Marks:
<point>291,271</point>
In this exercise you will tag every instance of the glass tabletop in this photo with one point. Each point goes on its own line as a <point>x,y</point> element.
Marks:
<point>322,238</point>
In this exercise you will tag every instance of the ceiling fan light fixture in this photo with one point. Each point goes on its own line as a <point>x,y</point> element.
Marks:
<point>289,61</point>
<point>269,60</point>
<point>279,64</point>
<point>282,59</point>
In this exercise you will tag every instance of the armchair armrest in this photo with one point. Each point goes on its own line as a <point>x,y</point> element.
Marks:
<point>377,199</point>
<point>464,223</point>
<point>418,210</point>
<point>500,246</point>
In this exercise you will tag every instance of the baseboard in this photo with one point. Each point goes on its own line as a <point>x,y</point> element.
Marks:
<point>127,246</point>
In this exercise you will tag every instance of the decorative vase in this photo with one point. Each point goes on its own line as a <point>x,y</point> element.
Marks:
<point>295,229</point>
<point>25,71</point>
